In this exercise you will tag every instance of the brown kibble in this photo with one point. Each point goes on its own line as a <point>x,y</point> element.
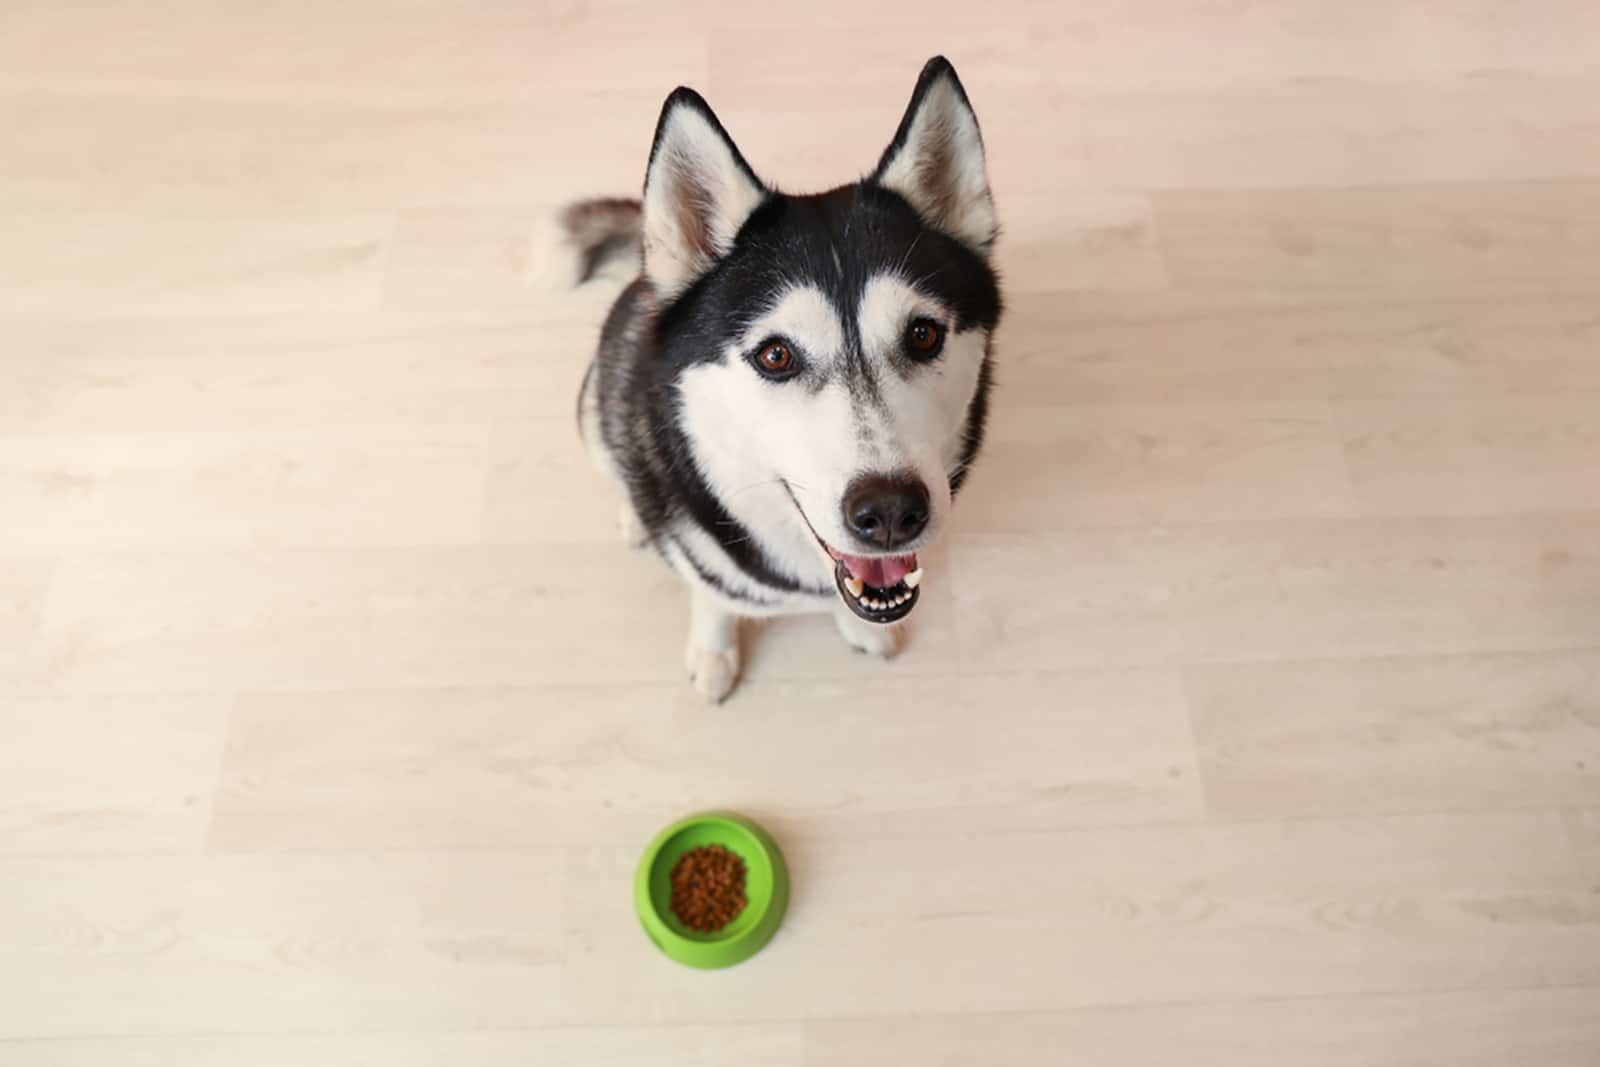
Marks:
<point>708,888</point>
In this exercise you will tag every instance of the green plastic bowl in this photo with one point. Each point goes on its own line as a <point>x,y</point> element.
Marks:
<point>766,890</point>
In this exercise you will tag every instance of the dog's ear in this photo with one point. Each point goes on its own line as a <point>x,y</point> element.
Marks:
<point>698,191</point>
<point>936,159</point>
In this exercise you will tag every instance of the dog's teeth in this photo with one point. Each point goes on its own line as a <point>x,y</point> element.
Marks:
<point>913,579</point>
<point>855,585</point>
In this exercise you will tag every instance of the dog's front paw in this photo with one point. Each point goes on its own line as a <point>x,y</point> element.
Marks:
<point>872,638</point>
<point>713,671</point>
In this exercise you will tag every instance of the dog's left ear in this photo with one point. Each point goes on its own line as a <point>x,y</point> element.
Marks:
<point>936,159</point>
<point>698,192</point>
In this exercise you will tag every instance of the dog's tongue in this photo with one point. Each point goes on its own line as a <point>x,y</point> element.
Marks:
<point>883,572</point>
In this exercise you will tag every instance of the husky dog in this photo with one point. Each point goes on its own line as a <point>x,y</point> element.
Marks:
<point>793,388</point>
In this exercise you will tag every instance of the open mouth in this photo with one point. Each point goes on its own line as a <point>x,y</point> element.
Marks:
<point>880,589</point>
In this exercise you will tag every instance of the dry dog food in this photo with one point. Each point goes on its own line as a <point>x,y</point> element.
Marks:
<point>708,888</point>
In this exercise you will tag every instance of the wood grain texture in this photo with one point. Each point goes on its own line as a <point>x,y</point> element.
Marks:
<point>776,1044</point>
<point>1533,452</point>
<point>1251,713</point>
<point>110,773</point>
<point>463,768</point>
<point>997,922</point>
<point>185,265</point>
<point>1533,237</point>
<point>1557,1028</point>
<point>1123,464</point>
<point>165,943</point>
<point>1330,737</point>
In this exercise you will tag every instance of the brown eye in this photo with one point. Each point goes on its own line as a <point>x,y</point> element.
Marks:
<point>775,359</point>
<point>924,338</point>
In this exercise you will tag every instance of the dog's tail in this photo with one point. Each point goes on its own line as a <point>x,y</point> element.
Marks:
<point>603,233</point>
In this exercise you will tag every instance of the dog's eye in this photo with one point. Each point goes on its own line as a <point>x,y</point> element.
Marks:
<point>776,360</point>
<point>924,338</point>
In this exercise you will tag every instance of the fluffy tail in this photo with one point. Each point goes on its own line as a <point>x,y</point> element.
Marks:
<point>603,232</point>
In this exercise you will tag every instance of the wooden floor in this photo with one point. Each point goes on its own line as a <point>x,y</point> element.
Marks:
<point>1253,717</point>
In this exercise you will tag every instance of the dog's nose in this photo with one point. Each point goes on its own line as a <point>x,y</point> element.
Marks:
<point>886,510</point>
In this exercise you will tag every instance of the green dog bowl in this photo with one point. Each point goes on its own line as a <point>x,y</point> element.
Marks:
<point>766,890</point>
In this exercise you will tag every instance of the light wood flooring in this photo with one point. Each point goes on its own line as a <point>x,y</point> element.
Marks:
<point>1253,717</point>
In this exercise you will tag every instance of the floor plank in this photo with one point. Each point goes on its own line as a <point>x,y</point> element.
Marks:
<point>188,265</point>
<point>109,774</point>
<point>1520,237</point>
<point>1554,1028</point>
<point>166,943</point>
<point>208,490</point>
<point>1124,464</point>
<point>1534,452</point>
<point>466,768</point>
<point>1266,591</point>
<point>318,371</point>
<point>1449,733</point>
<point>1282,349</point>
<point>777,1045</point>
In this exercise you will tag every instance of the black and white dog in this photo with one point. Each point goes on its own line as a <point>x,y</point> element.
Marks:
<point>791,392</point>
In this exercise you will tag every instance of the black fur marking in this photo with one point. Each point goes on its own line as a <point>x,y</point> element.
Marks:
<point>789,241</point>
<point>977,419</point>
<point>715,581</point>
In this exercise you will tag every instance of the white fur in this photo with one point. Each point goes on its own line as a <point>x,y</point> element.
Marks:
<point>956,197</point>
<point>801,314</point>
<point>712,654</point>
<point>929,410</point>
<point>868,637</point>
<point>752,437</point>
<point>695,178</point>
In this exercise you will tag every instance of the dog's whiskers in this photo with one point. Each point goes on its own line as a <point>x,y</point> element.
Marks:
<point>758,485</point>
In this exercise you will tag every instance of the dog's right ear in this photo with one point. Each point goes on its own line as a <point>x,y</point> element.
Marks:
<point>698,191</point>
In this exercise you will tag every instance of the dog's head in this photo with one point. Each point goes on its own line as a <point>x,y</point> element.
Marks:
<point>830,352</point>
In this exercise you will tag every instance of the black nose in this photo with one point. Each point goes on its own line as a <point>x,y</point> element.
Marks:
<point>886,511</point>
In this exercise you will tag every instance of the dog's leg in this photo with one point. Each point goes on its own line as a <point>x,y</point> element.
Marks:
<point>873,638</point>
<point>713,653</point>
